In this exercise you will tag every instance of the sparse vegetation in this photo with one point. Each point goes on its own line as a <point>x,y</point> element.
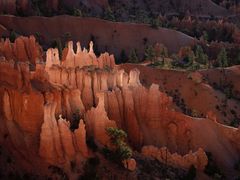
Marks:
<point>90,169</point>
<point>108,14</point>
<point>123,56</point>
<point>133,57</point>
<point>55,170</point>
<point>57,43</point>
<point>119,150</point>
<point>150,54</point>
<point>91,144</point>
<point>191,174</point>
<point>77,12</point>
<point>201,57</point>
<point>13,36</point>
<point>212,169</point>
<point>222,59</point>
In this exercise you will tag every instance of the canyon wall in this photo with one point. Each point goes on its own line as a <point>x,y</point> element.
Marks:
<point>40,106</point>
<point>108,36</point>
<point>23,49</point>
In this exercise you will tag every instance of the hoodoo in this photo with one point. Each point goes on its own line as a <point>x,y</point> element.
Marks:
<point>50,112</point>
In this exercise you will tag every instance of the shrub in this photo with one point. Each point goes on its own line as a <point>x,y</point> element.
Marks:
<point>58,171</point>
<point>57,43</point>
<point>187,56</point>
<point>119,150</point>
<point>155,23</point>
<point>108,14</point>
<point>235,122</point>
<point>90,169</point>
<point>77,12</point>
<point>212,169</point>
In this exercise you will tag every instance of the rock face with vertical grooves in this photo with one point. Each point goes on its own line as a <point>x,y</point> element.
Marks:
<point>90,93</point>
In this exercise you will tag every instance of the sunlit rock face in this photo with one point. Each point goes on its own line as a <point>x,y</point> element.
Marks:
<point>40,106</point>
<point>23,49</point>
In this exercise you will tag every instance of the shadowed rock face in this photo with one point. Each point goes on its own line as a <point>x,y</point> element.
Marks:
<point>37,120</point>
<point>108,36</point>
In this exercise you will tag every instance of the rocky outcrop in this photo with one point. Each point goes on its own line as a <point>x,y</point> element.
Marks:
<point>79,59</point>
<point>57,142</point>
<point>80,137</point>
<point>198,159</point>
<point>102,97</point>
<point>24,49</point>
<point>97,121</point>
<point>50,143</point>
<point>130,164</point>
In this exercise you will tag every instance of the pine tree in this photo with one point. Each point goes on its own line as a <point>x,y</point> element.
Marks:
<point>222,58</point>
<point>150,54</point>
<point>123,56</point>
<point>119,149</point>
<point>161,51</point>
<point>133,57</point>
<point>201,57</point>
<point>109,15</point>
<point>13,36</point>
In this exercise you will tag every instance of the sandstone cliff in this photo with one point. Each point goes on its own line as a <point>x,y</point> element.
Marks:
<point>109,36</point>
<point>40,105</point>
<point>24,49</point>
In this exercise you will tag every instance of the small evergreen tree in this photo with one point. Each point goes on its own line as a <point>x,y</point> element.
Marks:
<point>57,43</point>
<point>150,54</point>
<point>13,36</point>
<point>222,58</point>
<point>133,57</point>
<point>108,14</point>
<point>66,37</point>
<point>123,56</point>
<point>201,57</point>
<point>155,23</point>
<point>161,51</point>
<point>77,12</point>
<point>119,149</point>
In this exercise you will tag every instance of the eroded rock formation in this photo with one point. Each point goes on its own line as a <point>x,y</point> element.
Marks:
<point>198,159</point>
<point>24,49</point>
<point>102,95</point>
